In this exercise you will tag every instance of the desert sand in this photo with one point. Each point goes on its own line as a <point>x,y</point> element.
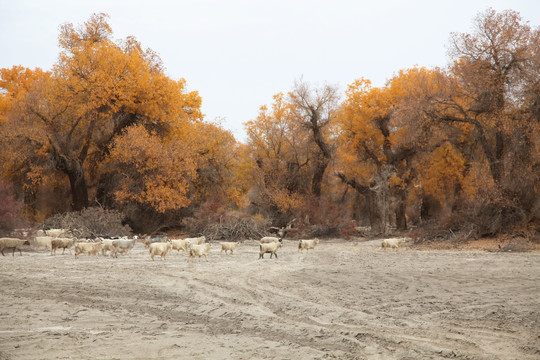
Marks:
<point>344,300</point>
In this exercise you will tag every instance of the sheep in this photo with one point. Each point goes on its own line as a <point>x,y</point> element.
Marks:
<point>270,239</point>
<point>180,244</point>
<point>159,248</point>
<point>89,248</point>
<point>197,241</point>
<point>12,243</point>
<point>391,243</point>
<point>271,248</point>
<point>43,241</point>
<point>123,245</point>
<point>198,250</point>
<point>63,243</point>
<point>107,245</point>
<point>307,245</point>
<point>228,246</point>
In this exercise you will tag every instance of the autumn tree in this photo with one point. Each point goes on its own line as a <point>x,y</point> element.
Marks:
<point>314,109</point>
<point>383,132</point>
<point>97,91</point>
<point>280,152</point>
<point>492,95</point>
<point>220,164</point>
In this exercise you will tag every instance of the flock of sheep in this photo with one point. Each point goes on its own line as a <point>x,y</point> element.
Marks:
<point>54,239</point>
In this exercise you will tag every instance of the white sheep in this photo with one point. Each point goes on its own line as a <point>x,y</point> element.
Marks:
<point>270,239</point>
<point>228,246</point>
<point>391,243</point>
<point>61,243</point>
<point>123,245</point>
<point>43,241</point>
<point>107,246</point>
<point>12,243</point>
<point>271,248</point>
<point>198,250</point>
<point>307,245</point>
<point>180,244</point>
<point>196,241</point>
<point>159,248</point>
<point>89,248</point>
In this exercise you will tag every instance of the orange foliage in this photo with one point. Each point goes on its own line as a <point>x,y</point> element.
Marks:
<point>65,122</point>
<point>152,171</point>
<point>442,172</point>
<point>279,152</point>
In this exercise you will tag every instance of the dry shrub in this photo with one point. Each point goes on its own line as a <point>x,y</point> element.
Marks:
<point>322,218</point>
<point>488,215</point>
<point>90,223</point>
<point>236,228</point>
<point>518,244</point>
<point>210,212</point>
<point>10,210</point>
<point>216,223</point>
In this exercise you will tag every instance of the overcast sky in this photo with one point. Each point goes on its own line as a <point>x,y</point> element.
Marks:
<point>239,53</point>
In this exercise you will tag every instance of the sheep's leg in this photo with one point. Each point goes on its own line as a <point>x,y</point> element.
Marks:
<point>63,251</point>
<point>20,252</point>
<point>3,252</point>
<point>275,255</point>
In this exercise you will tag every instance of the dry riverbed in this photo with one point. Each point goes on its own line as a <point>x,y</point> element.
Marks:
<point>345,300</point>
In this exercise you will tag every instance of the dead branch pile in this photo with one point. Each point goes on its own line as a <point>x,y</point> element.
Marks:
<point>89,223</point>
<point>235,228</point>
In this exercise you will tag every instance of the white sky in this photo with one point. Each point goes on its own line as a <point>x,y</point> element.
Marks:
<point>239,53</point>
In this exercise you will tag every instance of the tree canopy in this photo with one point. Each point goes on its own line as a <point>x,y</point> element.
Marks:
<point>457,144</point>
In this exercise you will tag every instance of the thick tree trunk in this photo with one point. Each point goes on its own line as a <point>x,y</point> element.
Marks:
<point>401,218</point>
<point>74,169</point>
<point>376,218</point>
<point>318,175</point>
<point>79,188</point>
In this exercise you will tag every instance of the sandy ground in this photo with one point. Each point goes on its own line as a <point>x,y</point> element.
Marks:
<point>345,300</point>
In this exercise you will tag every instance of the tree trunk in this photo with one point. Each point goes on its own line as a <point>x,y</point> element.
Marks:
<point>376,218</point>
<point>318,175</point>
<point>401,218</point>
<point>74,169</point>
<point>79,188</point>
